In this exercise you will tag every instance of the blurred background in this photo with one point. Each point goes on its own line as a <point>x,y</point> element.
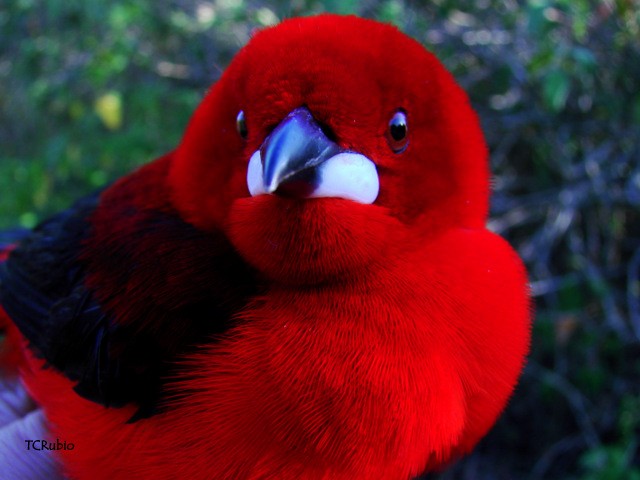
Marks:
<point>89,89</point>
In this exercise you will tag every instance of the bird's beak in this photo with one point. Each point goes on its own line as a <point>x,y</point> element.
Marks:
<point>298,160</point>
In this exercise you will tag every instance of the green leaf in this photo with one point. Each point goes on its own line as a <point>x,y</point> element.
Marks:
<point>584,57</point>
<point>342,7</point>
<point>556,86</point>
<point>392,11</point>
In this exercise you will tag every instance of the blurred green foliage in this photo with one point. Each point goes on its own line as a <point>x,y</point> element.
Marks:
<point>90,89</point>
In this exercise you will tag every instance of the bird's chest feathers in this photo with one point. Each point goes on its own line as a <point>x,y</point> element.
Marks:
<point>360,368</point>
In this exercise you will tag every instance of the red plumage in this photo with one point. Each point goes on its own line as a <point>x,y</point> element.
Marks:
<point>364,340</point>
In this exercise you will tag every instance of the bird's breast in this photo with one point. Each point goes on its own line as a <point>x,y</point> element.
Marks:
<point>353,375</point>
<point>376,379</point>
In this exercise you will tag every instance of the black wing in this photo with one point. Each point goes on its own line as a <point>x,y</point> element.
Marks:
<point>112,305</point>
<point>41,289</point>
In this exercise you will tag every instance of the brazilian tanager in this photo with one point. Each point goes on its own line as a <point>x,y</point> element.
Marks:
<point>303,289</point>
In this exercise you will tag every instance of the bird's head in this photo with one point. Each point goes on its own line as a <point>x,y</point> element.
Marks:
<point>327,141</point>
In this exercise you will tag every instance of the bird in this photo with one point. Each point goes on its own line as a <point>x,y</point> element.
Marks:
<point>304,288</point>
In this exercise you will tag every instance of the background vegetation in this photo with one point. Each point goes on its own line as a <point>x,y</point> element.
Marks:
<point>91,88</point>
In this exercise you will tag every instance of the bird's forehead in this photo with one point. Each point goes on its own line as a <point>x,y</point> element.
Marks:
<point>341,75</point>
<point>343,54</point>
<point>317,81</point>
<point>307,65</point>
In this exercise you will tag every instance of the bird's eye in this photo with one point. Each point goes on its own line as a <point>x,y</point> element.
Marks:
<point>398,132</point>
<point>241,124</point>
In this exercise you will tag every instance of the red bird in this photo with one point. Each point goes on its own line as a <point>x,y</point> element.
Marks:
<point>303,289</point>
